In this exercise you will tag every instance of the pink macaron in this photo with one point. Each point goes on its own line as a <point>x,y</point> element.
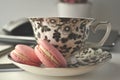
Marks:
<point>25,54</point>
<point>49,55</point>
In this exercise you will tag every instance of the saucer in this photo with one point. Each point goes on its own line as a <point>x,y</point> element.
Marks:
<point>69,71</point>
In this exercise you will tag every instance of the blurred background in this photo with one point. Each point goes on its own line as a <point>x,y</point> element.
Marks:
<point>15,9</point>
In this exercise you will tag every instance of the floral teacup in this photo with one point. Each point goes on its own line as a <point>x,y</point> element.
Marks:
<point>67,34</point>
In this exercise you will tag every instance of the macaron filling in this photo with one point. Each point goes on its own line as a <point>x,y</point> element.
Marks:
<point>22,56</point>
<point>48,54</point>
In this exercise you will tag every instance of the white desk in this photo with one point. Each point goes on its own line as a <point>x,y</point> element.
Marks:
<point>109,71</point>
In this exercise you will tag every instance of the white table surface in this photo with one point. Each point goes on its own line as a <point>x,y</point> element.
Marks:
<point>108,71</point>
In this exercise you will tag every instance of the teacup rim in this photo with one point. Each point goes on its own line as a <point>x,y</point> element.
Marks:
<point>64,17</point>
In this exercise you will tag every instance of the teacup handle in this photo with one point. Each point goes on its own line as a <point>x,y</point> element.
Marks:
<point>102,41</point>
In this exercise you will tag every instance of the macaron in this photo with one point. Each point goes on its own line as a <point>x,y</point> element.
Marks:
<point>25,54</point>
<point>49,55</point>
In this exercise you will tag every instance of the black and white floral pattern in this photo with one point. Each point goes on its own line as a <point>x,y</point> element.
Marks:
<point>89,57</point>
<point>65,33</point>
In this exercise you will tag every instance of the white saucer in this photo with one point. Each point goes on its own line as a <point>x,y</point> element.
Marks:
<point>58,71</point>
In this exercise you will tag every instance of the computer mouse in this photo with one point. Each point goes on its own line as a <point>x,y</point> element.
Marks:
<point>21,27</point>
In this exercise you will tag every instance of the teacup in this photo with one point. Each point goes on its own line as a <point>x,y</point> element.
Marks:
<point>68,35</point>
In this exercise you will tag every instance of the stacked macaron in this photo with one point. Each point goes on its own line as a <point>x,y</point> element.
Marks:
<point>25,54</point>
<point>49,55</point>
<point>44,53</point>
